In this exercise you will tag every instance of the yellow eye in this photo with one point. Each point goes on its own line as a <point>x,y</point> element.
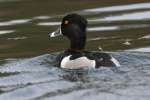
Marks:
<point>66,22</point>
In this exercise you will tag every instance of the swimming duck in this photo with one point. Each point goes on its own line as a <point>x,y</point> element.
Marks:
<point>73,26</point>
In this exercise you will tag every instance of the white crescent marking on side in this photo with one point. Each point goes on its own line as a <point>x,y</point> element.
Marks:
<point>82,62</point>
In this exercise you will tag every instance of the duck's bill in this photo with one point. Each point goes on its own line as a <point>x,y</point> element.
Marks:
<point>56,33</point>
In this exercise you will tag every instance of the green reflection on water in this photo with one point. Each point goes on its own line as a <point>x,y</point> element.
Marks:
<point>37,41</point>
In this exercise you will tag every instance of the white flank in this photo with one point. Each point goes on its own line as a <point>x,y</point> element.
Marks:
<point>81,62</point>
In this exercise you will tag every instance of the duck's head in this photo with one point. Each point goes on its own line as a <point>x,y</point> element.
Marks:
<point>73,26</point>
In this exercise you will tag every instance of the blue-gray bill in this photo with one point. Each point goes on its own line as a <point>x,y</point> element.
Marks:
<point>56,33</point>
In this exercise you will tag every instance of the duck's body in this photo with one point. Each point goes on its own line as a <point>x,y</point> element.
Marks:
<point>82,60</point>
<point>74,28</point>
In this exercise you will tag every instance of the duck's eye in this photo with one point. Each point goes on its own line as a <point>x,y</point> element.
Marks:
<point>66,22</point>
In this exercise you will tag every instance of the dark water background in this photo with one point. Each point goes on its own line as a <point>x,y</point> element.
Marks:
<point>122,28</point>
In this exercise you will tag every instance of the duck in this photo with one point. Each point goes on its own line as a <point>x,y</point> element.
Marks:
<point>73,26</point>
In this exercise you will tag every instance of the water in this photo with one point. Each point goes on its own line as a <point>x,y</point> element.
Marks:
<point>36,78</point>
<point>27,55</point>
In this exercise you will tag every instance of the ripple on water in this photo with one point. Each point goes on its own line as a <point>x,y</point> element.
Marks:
<point>49,23</point>
<point>41,17</point>
<point>100,28</point>
<point>146,49</point>
<point>6,31</point>
<point>145,37</point>
<point>15,22</point>
<point>137,6</point>
<point>145,15</point>
<point>18,38</point>
<point>36,90</point>
<point>37,79</point>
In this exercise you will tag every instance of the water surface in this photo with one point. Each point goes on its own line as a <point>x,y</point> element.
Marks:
<point>27,72</point>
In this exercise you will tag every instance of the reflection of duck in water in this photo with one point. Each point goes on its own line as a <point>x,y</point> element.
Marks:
<point>73,26</point>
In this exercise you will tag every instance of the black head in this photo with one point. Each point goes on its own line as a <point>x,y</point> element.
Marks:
<point>73,26</point>
<point>72,22</point>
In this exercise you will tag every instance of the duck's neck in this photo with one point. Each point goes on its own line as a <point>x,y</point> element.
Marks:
<point>76,50</point>
<point>78,44</point>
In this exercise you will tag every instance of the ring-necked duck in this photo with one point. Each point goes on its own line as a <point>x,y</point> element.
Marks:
<point>73,26</point>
